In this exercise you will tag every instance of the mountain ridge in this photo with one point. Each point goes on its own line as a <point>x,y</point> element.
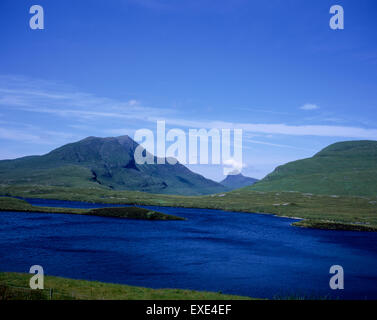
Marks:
<point>107,163</point>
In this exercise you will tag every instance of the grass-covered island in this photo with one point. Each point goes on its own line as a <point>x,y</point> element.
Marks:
<point>15,286</point>
<point>332,225</point>
<point>13,204</point>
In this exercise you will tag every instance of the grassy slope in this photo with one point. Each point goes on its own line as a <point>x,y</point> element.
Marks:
<point>353,211</point>
<point>12,204</point>
<point>344,168</point>
<point>15,286</point>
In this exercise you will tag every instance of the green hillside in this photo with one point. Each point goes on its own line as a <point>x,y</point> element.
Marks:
<point>106,163</point>
<point>15,286</point>
<point>343,168</point>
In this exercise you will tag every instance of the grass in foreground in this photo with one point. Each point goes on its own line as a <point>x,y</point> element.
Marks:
<point>15,286</point>
<point>12,204</point>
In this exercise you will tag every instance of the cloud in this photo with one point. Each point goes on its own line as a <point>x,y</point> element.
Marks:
<point>235,166</point>
<point>36,135</point>
<point>42,97</point>
<point>17,135</point>
<point>283,129</point>
<point>275,144</point>
<point>309,106</point>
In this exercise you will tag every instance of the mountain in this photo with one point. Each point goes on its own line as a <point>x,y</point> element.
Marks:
<point>236,181</point>
<point>343,168</point>
<point>107,163</point>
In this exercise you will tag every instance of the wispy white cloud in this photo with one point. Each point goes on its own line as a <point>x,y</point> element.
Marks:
<point>37,136</point>
<point>263,110</point>
<point>309,106</point>
<point>17,93</point>
<point>17,135</point>
<point>284,129</point>
<point>275,144</point>
<point>76,106</point>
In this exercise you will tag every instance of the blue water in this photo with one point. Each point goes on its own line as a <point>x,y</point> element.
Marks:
<point>237,253</point>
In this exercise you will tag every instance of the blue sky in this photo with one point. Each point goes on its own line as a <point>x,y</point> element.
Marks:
<point>107,68</point>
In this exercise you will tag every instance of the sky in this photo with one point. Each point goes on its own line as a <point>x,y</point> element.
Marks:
<point>274,69</point>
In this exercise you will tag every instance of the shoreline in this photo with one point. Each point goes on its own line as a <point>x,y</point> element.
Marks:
<point>320,224</point>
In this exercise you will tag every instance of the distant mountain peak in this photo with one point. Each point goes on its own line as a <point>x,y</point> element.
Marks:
<point>124,138</point>
<point>235,172</point>
<point>237,180</point>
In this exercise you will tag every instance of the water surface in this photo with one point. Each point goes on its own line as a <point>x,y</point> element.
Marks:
<point>237,253</point>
